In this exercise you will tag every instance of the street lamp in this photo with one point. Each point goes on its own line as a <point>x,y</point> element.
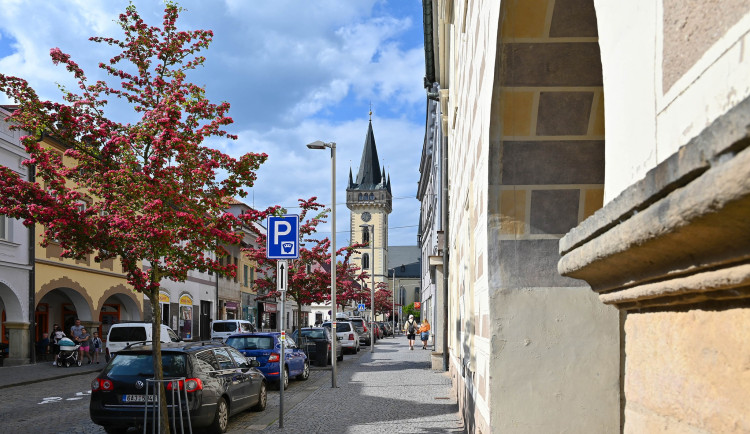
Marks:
<point>334,337</point>
<point>372,287</point>
<point>393,308</point>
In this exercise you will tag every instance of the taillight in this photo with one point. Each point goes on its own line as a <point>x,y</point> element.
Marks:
<point>351,336</point>
<point>100,384</point>
<point>329,347</point>
<point>189,385</point>
<point>274,357</point>
<point>365,328</point>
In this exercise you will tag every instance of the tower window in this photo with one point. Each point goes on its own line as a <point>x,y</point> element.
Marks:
<point>359,197</point>
<point>372,196</point>
<point>365,235</point>
<point>365,261</point>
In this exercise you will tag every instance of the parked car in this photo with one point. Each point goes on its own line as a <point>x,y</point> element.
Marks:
<point>383,330</point>
<point>377,333</point>
<point>360,325</point>
<point>348,336</point>
<point>308,338</point>
<point>218,381</point>
<point>223,328</point>
<point>123,334</point>
<point>265,347</point>
<point>387,328</point>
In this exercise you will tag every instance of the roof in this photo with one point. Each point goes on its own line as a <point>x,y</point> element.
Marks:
<point>370,176</point>
<point>407,260</point>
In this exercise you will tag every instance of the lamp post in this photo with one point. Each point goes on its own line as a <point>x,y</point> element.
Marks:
<point>334,337</point>
<point>393,308</point>
<point>372,287</point>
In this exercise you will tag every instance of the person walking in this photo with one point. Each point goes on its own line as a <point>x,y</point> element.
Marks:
<point>75,335</point>
<point>84,341</point>
<point>410,328</point>
<point>56,335</point>
<point>96,347</point>
<point>424,333</point>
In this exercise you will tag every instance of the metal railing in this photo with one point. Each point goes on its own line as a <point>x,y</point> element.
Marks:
<point>153,389</point>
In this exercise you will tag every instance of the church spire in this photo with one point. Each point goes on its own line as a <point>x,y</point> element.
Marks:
<point>369,176</point>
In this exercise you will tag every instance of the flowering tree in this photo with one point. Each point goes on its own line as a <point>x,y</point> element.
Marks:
<point>383,299</point>
<point>147,191</point>
<point>309,276</point>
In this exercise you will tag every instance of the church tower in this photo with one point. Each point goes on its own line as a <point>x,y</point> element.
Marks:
<point>369,199</point>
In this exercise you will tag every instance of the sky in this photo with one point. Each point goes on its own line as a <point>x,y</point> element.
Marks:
<point>294,71</point>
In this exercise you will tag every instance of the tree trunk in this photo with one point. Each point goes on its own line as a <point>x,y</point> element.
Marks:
<point>153,295</point>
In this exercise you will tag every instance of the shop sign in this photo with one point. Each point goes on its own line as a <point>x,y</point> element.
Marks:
<point>231,305</point>
<point>186,299</point>
<point>163,297</point>
<point>269,307</point>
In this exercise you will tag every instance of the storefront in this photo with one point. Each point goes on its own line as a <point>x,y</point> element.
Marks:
<point>186,317</point>
<point>164,305</point>
<point>230,309</point>
<point>267,316</point>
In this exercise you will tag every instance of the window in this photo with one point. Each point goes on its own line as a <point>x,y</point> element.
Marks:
<point>372,196</point>
<point>416,294</point>
<point>239,358</point>
<point>365,235</point>
<point>245,274</point>
<point>366,261</point>
<point>359,197</point>
<point>402,296</point>
<point>224,359</point>
<point>207,361</point>
<point>4,228</point>
<point>236,271</point>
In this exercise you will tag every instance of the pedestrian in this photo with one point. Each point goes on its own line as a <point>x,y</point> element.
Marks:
<point>42,347</point>
<point>57,334</point>
<point>96,347</point>
<point>410,328</point>
<point>75,334</point>
<point>424,333</point>
<point>84,341</point>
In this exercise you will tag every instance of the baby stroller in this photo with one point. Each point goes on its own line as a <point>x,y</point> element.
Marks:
<point>68,354</point>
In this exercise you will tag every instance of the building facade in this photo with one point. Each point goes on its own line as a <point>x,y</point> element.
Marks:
<point>16,261</point>
<point>597,209</point>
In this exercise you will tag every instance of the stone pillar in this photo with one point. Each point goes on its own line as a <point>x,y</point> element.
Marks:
<point>18,341</point>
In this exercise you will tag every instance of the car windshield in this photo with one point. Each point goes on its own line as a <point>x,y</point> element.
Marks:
<point>225,327</point>
<point>313,334</point>
<point>251,342</point>
<point>340,327</point>
<point>142,365</point>
<point>127,334</point>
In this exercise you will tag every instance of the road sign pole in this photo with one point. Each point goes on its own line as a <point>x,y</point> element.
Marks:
<point>282,361</point>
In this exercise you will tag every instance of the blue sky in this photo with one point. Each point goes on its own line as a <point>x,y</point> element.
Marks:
<point>294,71</point>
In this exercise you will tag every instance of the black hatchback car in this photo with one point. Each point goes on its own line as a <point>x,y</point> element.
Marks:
<point>218,381</point>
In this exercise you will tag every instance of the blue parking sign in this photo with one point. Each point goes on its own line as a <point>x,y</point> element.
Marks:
<point>282,240</point>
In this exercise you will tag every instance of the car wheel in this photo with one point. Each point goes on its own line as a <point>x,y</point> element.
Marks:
<point>305,372</point>
<point>286,378</point>
<point>262,398</point>
<point>221,419</point>
<point>115,429</point>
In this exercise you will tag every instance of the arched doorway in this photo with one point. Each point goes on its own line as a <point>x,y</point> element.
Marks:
<point>14,328</point>
<point>62,306</point>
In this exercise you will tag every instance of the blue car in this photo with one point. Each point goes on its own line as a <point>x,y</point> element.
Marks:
<point>266,349</point>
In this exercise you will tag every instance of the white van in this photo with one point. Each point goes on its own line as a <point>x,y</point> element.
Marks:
<point>221,329</point>
<point>123,334</point>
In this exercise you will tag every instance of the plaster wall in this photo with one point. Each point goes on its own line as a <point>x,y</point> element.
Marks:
<point>670,68</point>
<point>552,350</point>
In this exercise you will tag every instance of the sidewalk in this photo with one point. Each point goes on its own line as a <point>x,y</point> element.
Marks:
<point>392,390</point>
<point>27,374</point>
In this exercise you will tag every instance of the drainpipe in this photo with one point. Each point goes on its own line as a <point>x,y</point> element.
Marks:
<point>32,282</point>
<point>446,243</point>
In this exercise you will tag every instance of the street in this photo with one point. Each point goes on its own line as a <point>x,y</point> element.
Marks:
<point>62,405</point>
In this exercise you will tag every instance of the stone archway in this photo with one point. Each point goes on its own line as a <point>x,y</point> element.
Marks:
<point>545,176</point>
<point>15,326</point>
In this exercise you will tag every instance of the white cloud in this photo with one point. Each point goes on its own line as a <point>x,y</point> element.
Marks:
<point>294,72</point>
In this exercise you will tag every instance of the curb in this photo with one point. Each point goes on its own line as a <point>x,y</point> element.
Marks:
<point>39,380</point>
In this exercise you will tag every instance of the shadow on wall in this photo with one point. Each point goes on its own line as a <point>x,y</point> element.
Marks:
<point>465,331</point>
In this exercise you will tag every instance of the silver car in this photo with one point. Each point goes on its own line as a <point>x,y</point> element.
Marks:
<point>348,337</point>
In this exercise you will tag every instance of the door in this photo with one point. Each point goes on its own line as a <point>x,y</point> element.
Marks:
<point>237,382</point>
<point>251,386</point>
<point>205,320</point>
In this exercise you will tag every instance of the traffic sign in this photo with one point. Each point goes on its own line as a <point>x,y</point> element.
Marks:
<point>361,307</point>
<point>282,240</point>
<point>282,275</point>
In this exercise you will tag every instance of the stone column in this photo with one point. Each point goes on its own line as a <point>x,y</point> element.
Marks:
<point>18,340</point>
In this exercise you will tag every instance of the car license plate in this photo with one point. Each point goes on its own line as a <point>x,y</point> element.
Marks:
<point>250,357</point>
<point>138,398</point>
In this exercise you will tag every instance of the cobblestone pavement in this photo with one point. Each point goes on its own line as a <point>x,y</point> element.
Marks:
<point>391,390</point>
